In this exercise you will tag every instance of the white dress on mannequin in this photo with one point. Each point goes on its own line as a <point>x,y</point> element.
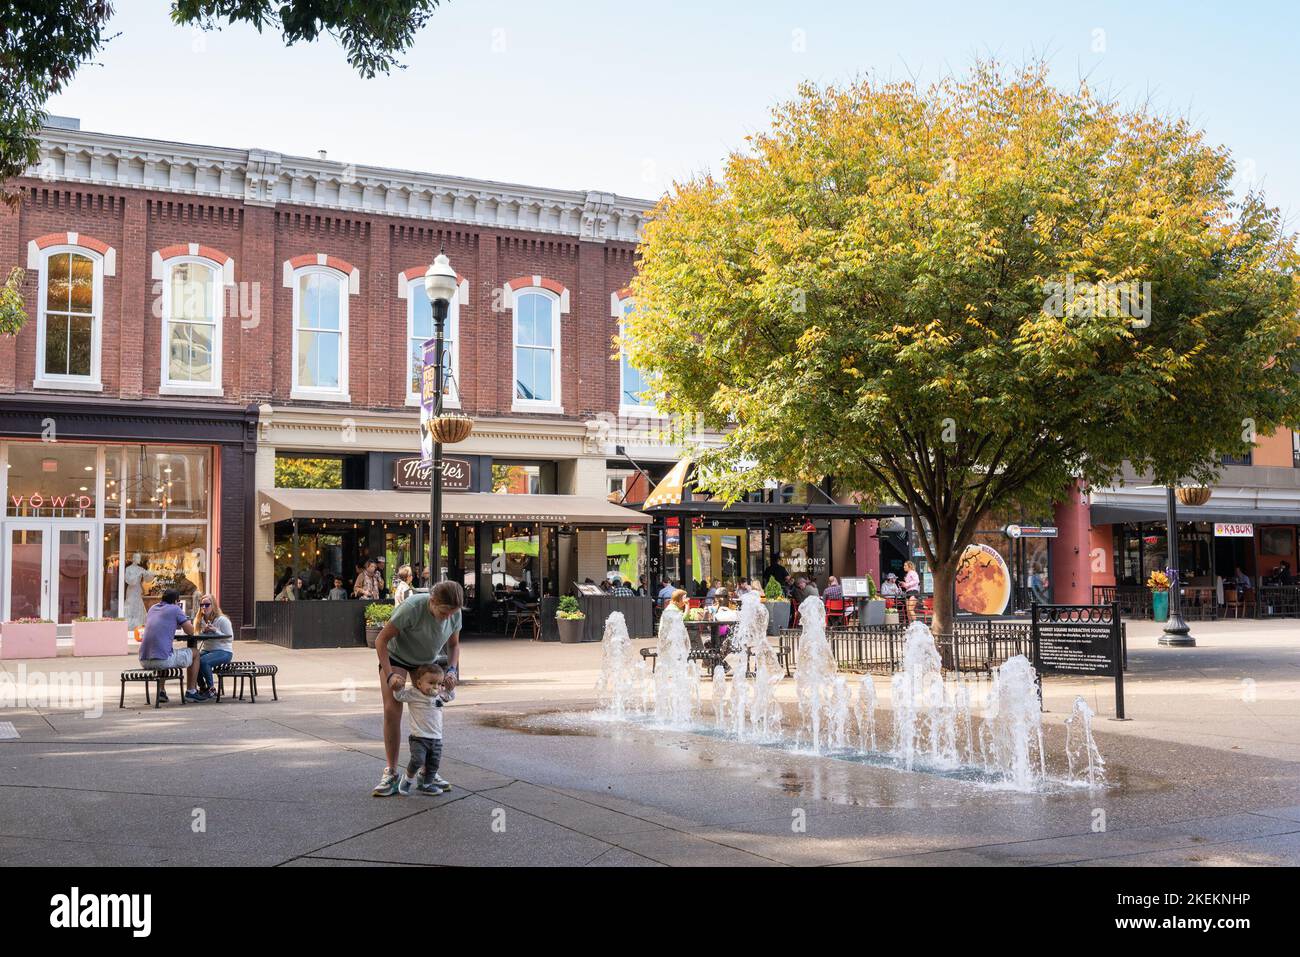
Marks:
<point>133,605</point>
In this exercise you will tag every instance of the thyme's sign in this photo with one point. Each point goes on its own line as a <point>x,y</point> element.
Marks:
<point>415,475</point>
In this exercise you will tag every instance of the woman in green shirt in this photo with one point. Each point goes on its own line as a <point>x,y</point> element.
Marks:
<point>421,628</point>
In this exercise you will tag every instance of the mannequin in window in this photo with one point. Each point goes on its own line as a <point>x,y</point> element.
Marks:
<point>135,574</point>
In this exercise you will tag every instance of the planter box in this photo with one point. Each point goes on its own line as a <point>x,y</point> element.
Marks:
<point>99,638</point>
<point>778,616</point>
<point>570,629</point>
<point>875,614</point>
<point>19,640</point>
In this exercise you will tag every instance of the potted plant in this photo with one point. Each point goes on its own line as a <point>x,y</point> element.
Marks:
<point>29,638</point>
<point>778,607</point>
<point>1158,582</point>
<point>377,615</point>
<point>569,620</point>
<point>93,637</point>
<point>876,612</point>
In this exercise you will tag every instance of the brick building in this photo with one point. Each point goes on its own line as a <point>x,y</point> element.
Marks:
<point>201,313</point>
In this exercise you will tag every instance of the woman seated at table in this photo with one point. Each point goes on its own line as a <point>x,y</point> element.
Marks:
<point>218,646</point>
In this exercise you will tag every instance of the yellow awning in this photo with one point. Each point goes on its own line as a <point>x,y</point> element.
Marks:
<point>669,491</point>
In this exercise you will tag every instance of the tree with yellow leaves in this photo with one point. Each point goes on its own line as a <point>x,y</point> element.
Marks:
<point>967,297</point>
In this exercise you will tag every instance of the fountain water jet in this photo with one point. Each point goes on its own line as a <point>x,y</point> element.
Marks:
<point>677,683</point>
<point>1086,762</point>
<point>617,687</point>
<point>814,681</point>
<point>1013,725</point>
<point>866,712</point>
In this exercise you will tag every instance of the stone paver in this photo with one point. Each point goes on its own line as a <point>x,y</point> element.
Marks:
<point>1207,772</point>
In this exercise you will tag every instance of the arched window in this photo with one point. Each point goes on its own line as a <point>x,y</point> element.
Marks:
<point>537,310</point>
<point>193,303</point>
<point>632,382</point>
<point>320,333</point>
<point>419,328</point>
<point>69,317</point>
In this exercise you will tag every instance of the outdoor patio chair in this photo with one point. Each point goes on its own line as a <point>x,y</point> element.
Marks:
<point>240,672</point>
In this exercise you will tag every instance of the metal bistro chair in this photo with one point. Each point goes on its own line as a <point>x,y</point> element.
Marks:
<point>528,617</point>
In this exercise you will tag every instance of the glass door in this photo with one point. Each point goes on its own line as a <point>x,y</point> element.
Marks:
<point>49,571</point>
<point>27,556</point>
<point>70,573</point>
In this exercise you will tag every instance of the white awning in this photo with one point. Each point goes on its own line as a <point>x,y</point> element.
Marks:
<point>277,505</point>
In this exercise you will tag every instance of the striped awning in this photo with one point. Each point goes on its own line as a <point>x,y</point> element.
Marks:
<point>669,491</point>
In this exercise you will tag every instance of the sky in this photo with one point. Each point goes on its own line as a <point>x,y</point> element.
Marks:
<point>627,97</point>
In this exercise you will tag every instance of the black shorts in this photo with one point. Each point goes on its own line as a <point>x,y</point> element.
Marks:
<point>397,663</point>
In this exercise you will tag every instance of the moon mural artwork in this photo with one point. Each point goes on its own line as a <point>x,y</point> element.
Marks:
<point>983,583</point>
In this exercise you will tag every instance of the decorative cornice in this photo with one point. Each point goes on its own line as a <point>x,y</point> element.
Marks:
<point>263,178</point>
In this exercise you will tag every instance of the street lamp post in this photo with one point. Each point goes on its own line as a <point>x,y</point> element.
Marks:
<point>1176,632</point>
<point>440,285</point>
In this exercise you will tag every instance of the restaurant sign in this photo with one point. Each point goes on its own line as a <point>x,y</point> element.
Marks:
<point>415,475</point>
<point>1030,531</point>
<point>1234,530</point>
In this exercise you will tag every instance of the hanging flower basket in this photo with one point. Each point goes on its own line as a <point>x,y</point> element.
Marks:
<point>450,428</point>
<point>1193,495</point>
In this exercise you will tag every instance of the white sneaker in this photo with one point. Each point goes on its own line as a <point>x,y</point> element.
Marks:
<point>442,782</point>
<point>406,783</point>
<point>389,782</point>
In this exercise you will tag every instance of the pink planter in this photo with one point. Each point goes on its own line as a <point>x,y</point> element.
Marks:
<point>99,638</point>
<point>22,640</point>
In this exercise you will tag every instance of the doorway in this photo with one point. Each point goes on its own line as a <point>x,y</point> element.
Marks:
<point>49,570</point>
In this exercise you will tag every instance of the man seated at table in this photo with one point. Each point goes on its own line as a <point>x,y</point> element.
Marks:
<point>619,590</point>
<point>156,652</point>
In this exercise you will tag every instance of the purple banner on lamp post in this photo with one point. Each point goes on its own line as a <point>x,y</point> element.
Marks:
<point>428,396</point>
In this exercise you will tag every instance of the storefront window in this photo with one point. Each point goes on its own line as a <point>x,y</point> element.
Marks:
<point>149,500</point>
<point>625,555</point>
<point>515,557</point>
<point>165,482</point>
<point>50,480</point>
<point>173,556</point>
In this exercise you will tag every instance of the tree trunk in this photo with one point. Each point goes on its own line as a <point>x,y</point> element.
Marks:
<point>945,573</point>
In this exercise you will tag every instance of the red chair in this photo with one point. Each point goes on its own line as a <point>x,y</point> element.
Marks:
<point>695,602</point>
<point>834,610</point>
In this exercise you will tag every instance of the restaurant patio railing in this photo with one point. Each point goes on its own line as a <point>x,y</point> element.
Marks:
<point>1201,602</point>
<point>975,646</point>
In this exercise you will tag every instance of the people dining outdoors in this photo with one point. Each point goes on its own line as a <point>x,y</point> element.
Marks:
<point>911,589</point>
<point>366,587</point>
<point>161,623</point>
<point>402,590</point>
<point>833,588</point>
<point>620,590</point>
<point>218,646</point>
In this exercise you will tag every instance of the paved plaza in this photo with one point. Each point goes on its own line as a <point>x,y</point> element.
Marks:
<point>1206,772</point>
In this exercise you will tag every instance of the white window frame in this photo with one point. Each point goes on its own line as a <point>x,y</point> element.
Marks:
<point>44,380</point>
<point>166,386</point>
<point>315,393</point>
<point>555,404</point>
<point>619,309</point>
<point>405,291</point>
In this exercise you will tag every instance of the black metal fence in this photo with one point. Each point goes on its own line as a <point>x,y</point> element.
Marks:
<point>1267,601</point>
<point>975,646</point>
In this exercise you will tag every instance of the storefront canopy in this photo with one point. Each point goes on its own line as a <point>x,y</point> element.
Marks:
<point>1111,514</point>
<point>353,505</point>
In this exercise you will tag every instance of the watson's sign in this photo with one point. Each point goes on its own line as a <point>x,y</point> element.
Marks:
<point>416,475</point>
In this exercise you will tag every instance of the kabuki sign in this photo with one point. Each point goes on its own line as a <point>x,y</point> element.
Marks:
<point>1233,530</point>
